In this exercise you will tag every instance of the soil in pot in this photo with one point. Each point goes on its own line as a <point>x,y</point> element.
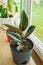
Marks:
<point>27,46</point>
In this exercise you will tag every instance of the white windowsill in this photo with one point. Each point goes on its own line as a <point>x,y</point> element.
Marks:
<point>38,46</point>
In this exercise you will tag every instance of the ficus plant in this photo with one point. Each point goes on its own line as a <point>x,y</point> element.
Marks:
<point>19,37</point>
<point>6,10</point>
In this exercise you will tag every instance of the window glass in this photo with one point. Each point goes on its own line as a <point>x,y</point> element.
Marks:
<point>37,18</point>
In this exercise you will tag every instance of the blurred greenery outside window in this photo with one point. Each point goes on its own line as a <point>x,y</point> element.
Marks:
<point>37,18</point>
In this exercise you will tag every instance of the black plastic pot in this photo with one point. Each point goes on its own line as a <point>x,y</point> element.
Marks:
<point>21,58</point>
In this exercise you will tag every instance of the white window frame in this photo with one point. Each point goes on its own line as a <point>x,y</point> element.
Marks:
<point>38,46</point>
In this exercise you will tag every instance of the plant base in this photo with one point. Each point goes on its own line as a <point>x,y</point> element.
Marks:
<point>21,58</point>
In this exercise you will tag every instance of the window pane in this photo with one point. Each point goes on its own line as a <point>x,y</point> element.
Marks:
<point>37,18</point>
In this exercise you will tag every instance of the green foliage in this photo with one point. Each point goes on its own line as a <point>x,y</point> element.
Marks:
<point>37,20</point>
<point>30,30</point>
<point>1,7</point>
<point>16,8</point>
<point>4,13</point>
<point>19,31</point>
<point>23,21</point>
<point>14,29</point>
<point>7,12</point>
<point>41,3</point>
<point>14,36</point>
<point>10,5</point>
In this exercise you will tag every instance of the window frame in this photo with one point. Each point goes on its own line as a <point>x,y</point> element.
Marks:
<point>38,46</point>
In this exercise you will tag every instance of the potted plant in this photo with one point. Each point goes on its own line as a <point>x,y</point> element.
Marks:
<point>21,46</point>
<point>7,12</point>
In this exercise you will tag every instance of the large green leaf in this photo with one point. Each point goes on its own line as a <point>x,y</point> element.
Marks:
<point>14,29</point>
<point>14,36</point>
<point>30,30</point>
<point>23,21</point>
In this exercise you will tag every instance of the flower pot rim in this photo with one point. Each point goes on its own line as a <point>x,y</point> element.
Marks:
<point>7,18</point>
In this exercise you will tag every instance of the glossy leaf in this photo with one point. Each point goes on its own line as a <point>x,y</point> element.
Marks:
<point>14,36</point>
<point>14,29</point>
<point>23,21</point>
<point>30,30</point>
